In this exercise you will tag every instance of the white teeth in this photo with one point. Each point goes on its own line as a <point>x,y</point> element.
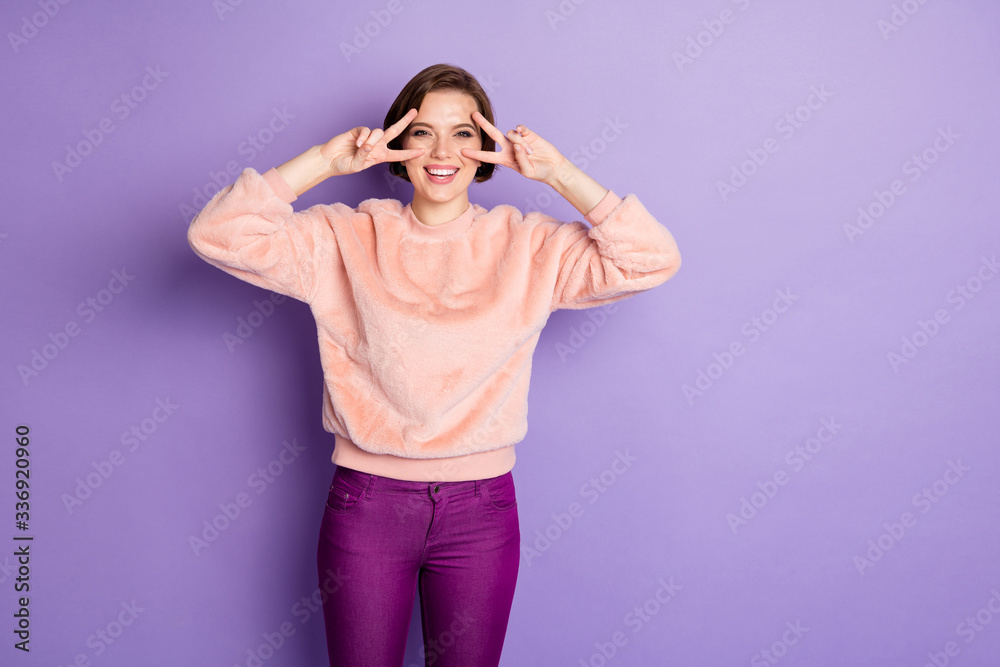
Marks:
<point>442,172</point>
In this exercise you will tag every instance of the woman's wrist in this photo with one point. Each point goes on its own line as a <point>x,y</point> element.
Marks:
<point>579,189</point>
<point>306,170</point>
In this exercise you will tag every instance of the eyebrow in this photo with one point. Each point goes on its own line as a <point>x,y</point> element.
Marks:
<point>468,125</point>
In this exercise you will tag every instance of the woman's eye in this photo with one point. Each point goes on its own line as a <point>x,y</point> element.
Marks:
<point>464,133</point>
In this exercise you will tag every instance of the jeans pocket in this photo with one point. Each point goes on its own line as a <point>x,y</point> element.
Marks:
<point>344,493</point>
<point>499,493</point>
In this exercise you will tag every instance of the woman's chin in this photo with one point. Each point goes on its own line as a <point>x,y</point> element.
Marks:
<point>442,194</point>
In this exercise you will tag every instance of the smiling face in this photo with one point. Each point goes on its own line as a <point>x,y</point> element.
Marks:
<point>443,127</point>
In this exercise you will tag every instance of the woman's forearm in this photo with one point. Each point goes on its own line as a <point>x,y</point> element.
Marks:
<point>579,189</point>
<point>305,171</point>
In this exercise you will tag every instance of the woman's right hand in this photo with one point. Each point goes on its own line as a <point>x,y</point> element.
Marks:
<point>360,148</point>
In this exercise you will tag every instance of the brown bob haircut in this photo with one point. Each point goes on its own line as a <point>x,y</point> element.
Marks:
<point>440,77</point>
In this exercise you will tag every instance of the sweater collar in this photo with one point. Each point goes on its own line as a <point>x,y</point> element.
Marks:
<point>459,225</point>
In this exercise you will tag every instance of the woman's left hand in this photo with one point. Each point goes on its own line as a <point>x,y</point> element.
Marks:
<point>521,150</point>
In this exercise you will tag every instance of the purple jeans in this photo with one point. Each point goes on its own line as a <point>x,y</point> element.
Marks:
<point>459,542</point>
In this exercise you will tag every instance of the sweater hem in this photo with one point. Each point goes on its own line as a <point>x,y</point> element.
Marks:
<point>481,465</point>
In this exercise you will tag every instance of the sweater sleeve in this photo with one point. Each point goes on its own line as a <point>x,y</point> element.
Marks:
<point>627,251</point>
<point>250,231</point>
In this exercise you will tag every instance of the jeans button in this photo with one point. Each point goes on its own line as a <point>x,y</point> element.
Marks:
<point>437,488</point>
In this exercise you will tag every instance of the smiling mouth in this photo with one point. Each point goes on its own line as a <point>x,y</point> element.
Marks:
<point>441,175</point>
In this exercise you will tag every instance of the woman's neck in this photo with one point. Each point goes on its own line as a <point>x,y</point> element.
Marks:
<point>432,213</point>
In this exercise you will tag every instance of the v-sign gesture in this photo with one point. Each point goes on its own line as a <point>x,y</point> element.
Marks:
<point>360,148</point>
<point>521,150</point>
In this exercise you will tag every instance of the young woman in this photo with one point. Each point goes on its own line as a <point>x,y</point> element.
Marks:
<point>428,315</point>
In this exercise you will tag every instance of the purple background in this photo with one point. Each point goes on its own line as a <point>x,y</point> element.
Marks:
<point>595,75</point>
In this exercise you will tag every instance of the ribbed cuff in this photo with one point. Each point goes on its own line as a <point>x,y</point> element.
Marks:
<point>278,184</point>
<point>603,208</point>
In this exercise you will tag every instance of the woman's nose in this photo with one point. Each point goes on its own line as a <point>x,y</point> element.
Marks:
<point>442,147</point>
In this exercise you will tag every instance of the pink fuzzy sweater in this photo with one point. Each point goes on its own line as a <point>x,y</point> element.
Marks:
<point>426,333</point>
